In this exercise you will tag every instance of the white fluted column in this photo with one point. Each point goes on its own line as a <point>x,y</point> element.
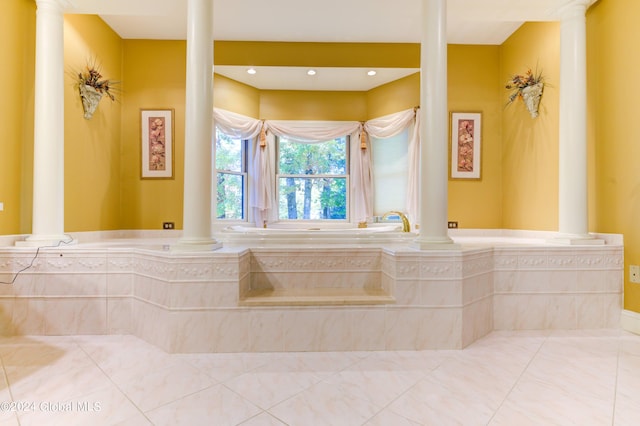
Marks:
<point>48,150</point>
<point>573,225</point>
<point>198,129</point>
<point>434,120</point>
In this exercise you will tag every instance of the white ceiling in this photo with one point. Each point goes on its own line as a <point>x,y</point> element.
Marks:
<point>296,78</point>
<point>393,21</point>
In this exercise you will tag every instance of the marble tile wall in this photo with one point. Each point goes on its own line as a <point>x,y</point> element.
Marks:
<point>308,328</point>
<point>286,269</point>
<point>189,303</point>
<point>120,279</point>
<point>477,295</point>
<point>453,290</point>
<point>553,288</point>
<point>63,293</point>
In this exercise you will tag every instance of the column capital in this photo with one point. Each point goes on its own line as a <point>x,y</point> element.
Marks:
<point>58,4</point>
<point>573,8</point>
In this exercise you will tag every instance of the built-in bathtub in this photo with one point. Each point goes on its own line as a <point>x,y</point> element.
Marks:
<point>274,229</point>
<point>314,234</point>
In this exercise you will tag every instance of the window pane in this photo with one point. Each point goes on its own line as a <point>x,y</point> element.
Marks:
<point>228,153</point>
<point>326,158</point>
<point>390,167</point>
<point>230,196</point>
<point>313,198</point>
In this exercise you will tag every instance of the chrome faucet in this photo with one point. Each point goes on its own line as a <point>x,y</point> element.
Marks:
<point>406,225</point>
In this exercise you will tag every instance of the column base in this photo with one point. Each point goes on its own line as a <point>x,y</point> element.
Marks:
<point>187,245</point>
<point>434,243</point>
<point>51,241</point>
<point>576,240</point>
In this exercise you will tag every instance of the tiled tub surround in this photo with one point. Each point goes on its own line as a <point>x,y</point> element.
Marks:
<point>192,302</point>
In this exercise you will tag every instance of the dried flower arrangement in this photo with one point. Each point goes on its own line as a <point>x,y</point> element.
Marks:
<point>92,77</point>
<point>519,82</point>
<point>527,87</point>
<point>92,88</point>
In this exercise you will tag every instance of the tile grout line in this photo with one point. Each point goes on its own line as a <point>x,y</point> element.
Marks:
<point>320,380</point>
<point>112,382</point>
<point>533,357</point>
<point>615,388</point>
<point>223,383</point>
<point>6,379</point>
<point>424,376</point>
<point>261,413</point>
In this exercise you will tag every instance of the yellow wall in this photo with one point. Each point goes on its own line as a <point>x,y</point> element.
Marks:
<point>17,56</point>
<point>312,105</point>
<point>392,97</point>
<point>530,146</point>
<point>613,31</point>
<point>235,96</point>
<point>92,146</point>
<point>473,86</point>
<point>389,55</point>
<point>153,78</point>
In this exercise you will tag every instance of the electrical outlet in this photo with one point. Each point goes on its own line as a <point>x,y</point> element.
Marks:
<point>634,274</point>
<point>168,225</point>
<point>452,225</point>
<point>1,207</point>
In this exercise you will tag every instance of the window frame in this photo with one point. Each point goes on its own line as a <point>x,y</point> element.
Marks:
<point>345,176</point>
<point>244,158</point>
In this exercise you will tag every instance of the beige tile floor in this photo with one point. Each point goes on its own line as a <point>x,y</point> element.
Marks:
<point>506,378</point>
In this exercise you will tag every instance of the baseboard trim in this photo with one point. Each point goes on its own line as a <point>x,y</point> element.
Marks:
<point>630,321</point>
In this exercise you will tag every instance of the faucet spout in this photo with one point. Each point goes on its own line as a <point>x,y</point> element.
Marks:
<point>406,225</point>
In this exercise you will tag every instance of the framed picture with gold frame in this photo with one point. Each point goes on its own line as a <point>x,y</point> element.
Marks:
<point>156,143</point>
<point>466,145</point>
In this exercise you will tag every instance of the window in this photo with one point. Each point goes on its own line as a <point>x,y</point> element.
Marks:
<point>390,164</point>
<point>231,174</point>
<point>312,180</point>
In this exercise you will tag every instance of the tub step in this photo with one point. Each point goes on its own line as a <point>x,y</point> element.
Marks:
<point>317,297</point>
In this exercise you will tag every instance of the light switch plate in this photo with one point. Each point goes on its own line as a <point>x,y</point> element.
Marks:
<point>1,206</point>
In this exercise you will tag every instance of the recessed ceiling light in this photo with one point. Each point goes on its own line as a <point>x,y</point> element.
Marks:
<point>311,72</point>
<point>371,73</point>
<point>252,71</point>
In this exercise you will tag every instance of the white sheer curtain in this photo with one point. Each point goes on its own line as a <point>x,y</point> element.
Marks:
<point>413,172</point>
<point>361,177</point>
<point>262,194</point>
<point>236,125</point>
<point>391,125</point>
<point>262,182</point>
<point>243,127</point>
